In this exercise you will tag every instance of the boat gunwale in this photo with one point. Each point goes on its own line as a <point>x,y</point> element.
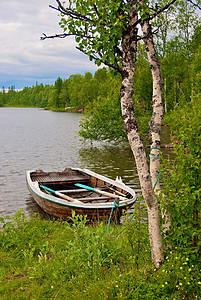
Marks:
<point>122,204</point>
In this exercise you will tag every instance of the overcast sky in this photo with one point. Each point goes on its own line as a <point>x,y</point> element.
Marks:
<point>24,58</point>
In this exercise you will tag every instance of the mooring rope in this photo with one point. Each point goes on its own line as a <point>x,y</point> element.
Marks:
<point>117,205</point>
<point>154,156</point>
<point>108,225</point>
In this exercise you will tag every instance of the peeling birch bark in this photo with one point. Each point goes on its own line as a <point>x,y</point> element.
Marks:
<point>156,120</point>
<point>129,45</point>
<point>158,111</point>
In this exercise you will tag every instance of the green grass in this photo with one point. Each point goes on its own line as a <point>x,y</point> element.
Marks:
<point>44,259</point>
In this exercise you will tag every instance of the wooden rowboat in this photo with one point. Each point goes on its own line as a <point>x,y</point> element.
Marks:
<point>79,190</point>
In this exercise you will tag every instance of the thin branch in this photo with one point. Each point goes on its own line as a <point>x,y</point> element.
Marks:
<point>64,35</point>
<point>71,13</point>
<point>139,38</point>
<point>117,68</point>
<point>163,9</point>
<point>74,15</point>
<point>195,4</point>
<point>96,10</point>
<point>156,13</point>
<point>61,36</point>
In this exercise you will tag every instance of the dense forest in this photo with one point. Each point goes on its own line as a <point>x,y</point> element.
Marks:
<point>178,44</point>
<point>180,64</point>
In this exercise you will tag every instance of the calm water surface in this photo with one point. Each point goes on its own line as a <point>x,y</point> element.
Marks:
<point>37,139</point>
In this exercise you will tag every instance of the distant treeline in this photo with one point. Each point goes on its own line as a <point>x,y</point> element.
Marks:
<point>75,92</point>
<point>180,64</point>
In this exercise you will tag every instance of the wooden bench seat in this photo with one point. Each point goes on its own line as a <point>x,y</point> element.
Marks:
<point>73,191</point>
<point>94,199</point>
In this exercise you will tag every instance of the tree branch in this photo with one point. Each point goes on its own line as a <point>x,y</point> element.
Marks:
<point>118,69</point>
<point>64,35</point>
<point>61,36</point>
<point>71,13</point>
<point>156,13</point>
<point>195,4</point>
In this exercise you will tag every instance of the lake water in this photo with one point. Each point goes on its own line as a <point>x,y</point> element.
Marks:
<point>38,139</point>
<point>33,138</point>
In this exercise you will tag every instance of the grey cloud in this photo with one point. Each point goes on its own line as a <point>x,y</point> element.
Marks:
<point>23,56</point>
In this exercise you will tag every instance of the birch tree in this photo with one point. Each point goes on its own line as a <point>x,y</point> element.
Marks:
<point>107,31</point>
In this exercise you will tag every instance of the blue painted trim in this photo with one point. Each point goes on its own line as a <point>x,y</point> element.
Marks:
<point>85,186</point>
<point>81,207</point>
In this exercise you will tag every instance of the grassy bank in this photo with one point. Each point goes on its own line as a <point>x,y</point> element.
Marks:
<point>44,259</point>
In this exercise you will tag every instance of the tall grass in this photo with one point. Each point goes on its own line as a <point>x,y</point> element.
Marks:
<point>44,259</point>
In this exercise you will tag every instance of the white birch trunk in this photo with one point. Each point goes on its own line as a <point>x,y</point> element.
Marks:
<point>155,122</point>
<point>129,45</point>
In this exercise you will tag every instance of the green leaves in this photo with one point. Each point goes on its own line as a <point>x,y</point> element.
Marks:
<point>144,10</point>
<point>97,26</point>
<point>183,178</point>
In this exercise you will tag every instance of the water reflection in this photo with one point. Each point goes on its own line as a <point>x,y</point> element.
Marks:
<point>111,161</point>
<point>37,139</point>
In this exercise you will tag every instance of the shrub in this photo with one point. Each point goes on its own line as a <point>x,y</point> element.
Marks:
<point>182,180</point>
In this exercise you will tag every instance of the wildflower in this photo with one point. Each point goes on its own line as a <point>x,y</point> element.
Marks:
<point>175,247</point>
<point>176,257</point>
<point>199,282</point>
<point>180,283</point>
<point>184,277</point>
<point>166,282</point>
<point>170,252</point>
<point>162,285</point>
<point>181,268</point>
<point>163,270</point>
<point>188,282</point>
<point>167,257</point>
<point>187,258</point>
<point>52,287</point>
<point>116,286</point>
<point>189,269</point>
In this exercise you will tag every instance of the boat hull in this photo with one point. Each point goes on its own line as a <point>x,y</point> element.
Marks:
<point>63,209</point>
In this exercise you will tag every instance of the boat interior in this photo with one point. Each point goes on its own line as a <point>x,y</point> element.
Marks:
<point>64,182</point>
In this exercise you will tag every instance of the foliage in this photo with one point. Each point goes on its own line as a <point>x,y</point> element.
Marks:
<point>97,27</point>
<point>182,179</point>
<point>142,83</point>
<point>103,120</point>
<point>177,40</point>
<point>44,259</point>
<point>178,279</point>
<point>180,63</point>
<point>103,116</point>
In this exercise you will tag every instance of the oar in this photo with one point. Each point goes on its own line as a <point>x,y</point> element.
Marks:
<point>60,194</point>
<point>100,191</point>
